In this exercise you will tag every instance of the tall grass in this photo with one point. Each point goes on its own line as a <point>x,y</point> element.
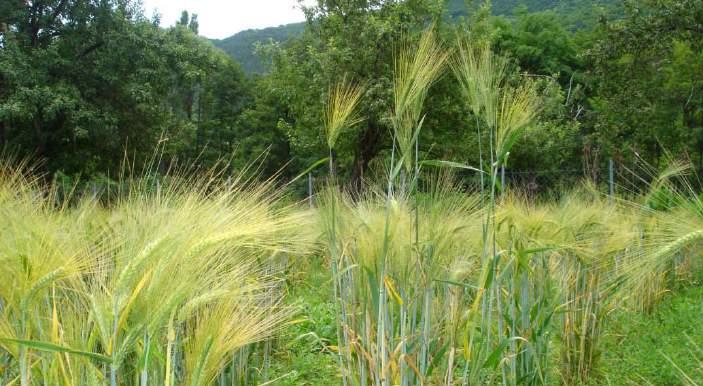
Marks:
<point>503,110</point>
<point>164,287</point>
<point>386,260</point>
<point>438,286</point>
<point>415,324</point>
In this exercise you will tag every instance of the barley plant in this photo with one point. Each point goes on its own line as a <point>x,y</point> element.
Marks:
<point>341,113</point>
<point>434,285</point>
<point>508,322</point>
<point>165,287</point>
<point>389,246</point>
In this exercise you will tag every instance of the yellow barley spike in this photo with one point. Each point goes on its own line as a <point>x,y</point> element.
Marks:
<point>391,289</point>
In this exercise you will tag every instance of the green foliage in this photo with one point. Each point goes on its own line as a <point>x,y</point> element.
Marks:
<point>540,44</point>
<point>80,98</point>
<point>340,41</point>
<point>306,354</point>
<point>77,93</point>
<point>636,345</point>
<point>358,41</point>
<point>647,82</point>
<point>572,13</point>
<point>507,7</point>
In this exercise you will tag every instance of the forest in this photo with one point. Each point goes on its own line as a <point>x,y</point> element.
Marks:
<point>393,192</point>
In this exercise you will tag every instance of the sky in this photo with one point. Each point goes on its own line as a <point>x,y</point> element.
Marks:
<point>222,18</point>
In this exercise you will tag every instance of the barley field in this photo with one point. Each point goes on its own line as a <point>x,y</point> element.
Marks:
<point>207,280</point>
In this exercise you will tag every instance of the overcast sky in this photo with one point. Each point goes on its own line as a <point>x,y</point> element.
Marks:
<point>222,18</point>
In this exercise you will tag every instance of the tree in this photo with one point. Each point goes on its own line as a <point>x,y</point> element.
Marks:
<point>648,81</point>
<point>540,44</point>
<point>84,81</point>
<point>356,40</point>
<point>194,25</point>
<point>49,107</point>
<point>183,21</point>
<point>189,21</point>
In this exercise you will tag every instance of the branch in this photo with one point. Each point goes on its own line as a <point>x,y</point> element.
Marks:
<point>90,49</point>
<point>57,12</point>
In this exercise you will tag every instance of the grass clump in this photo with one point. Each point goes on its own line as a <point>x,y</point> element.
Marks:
<point>164,286</point>
<point>659,348</point>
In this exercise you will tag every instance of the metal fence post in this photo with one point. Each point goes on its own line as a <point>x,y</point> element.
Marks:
<point>611,179</point>
<point>502,180</point>
<point>310,189</point>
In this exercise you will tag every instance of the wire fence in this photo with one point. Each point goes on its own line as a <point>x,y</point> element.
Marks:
<point>612,179</point>
<point>530,184</point>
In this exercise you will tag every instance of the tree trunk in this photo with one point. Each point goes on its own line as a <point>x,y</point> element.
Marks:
<point>41,138</point>
<point>368,146</point>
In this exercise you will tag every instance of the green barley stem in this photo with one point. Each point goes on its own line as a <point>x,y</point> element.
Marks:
<point>145,369</point>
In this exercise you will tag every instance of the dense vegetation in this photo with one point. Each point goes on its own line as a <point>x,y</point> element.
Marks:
<point>83,81</point>
<point>182,280</point>
<point>242,45</point>
<point>415,262</point>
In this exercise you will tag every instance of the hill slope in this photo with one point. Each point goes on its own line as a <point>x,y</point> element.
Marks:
<point>506,7</point>
<point>241,45</point>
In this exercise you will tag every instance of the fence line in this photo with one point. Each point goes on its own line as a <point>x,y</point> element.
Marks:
<point>611,179</point>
